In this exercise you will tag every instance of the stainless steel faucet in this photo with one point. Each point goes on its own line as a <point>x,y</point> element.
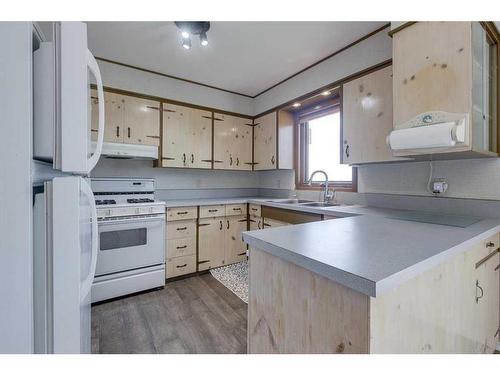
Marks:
<point>327,194</point>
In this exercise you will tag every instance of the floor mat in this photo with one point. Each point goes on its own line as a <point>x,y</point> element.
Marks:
<point>235,278</point>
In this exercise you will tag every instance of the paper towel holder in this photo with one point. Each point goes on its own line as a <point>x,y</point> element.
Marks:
<point>430,132</point>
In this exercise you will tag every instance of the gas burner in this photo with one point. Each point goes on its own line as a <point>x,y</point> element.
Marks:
<point>102,202</point>
<point>140,200</point>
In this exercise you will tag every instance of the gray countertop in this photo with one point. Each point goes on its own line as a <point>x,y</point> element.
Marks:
<point>371,253</point>
<point>366,248</point>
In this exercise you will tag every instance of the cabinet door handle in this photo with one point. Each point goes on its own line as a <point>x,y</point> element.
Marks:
<point>347,151</point>
<point>184,159</point>
<point>480,289</point>
<point>213,210</point>
<point>128,131</point>
<point>497,268</point>
<point>192,158</point>
<point>258,225</point>
<point>220,222</point>
<point>227,227</point>
<point>182,266</point>
<point>240,254</point>
<point>183,228</point>
<point>237,161</point>
<point>272,160</point>
<point>182,213</point>
<point>490,244</point>
<point>181,247</point>
<point>230,160</point>
<point>117,131</point>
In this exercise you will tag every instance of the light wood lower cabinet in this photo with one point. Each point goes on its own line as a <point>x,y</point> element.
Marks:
<point>180,243</point>
<point>451,308</point>
<point>181,266</point>
<point>219,239</point>
<point>255,222</point>
<point>187,137</point>
<point>235,250</point>
<point>232,142</point>
<point>210,242</point>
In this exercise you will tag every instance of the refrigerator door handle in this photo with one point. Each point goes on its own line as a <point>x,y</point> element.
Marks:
<point>87,283</point>
<point>94,68</point>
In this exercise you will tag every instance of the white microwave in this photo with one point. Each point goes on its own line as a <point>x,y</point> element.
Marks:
<point>62,104</point>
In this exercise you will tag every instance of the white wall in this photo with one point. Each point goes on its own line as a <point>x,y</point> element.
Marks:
<point>371,51</point>
<point>475,178</point>
<point>130,79</point>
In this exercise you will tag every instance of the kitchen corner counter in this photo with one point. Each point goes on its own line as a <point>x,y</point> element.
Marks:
<point>369,253</point>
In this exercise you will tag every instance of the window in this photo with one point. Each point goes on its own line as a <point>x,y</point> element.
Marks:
<point>319,148</point>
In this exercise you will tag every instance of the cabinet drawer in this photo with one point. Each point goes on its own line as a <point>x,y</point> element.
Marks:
<point>181,229</point>
<point>254,209</point>
<point>181,266</point>
<point>180,247</point>
<point>182,213</point>
<point>236,209</point>
<point>212,211</point>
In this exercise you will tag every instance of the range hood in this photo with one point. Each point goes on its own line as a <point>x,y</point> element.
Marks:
<point>429,133</point>
<point>128,151</point>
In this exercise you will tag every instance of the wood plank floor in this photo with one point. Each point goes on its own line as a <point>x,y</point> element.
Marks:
<point>193,315</point>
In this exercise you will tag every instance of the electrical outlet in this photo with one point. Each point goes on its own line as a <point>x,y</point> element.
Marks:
<point>439,186</point>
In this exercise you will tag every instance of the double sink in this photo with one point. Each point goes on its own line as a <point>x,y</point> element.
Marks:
<point>304,202</point>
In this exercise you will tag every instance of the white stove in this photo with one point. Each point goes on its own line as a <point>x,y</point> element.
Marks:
<point>131,226</point>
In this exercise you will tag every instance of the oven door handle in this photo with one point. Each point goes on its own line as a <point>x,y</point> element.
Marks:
<point>87,283</point>
<point>132,220</point>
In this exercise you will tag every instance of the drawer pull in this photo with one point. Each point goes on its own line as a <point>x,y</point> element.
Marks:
<point>182,213</point>
<point>183,228</point>
<point>242,221</point>
<point>480,289</point>
<point>245,253</point>
<point>181,247</point>
<point>490,244</point>
<point>213,210</point>
<point>182,266</point>
<point>254,209</point>
<point>487,257</point>
<point>203,225</point>
<point>237,209</point>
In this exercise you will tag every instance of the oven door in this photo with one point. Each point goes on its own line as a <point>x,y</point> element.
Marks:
<point>131,243</point>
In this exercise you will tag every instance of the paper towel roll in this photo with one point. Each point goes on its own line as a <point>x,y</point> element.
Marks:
<point>429,136</point>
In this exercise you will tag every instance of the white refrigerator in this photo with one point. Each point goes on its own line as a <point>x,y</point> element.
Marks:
<point>65,236</point>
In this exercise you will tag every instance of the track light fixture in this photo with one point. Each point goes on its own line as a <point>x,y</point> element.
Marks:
<point>193,28</point>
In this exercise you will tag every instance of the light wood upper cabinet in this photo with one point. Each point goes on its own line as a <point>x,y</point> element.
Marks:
<point>141,119</point>
<point>232,142</point>
<point>113,117</point>
<point>127,119</point>
<point>265,142</point>
<point>448,67</point>
<point>187,137</point>
<point>432,69</point>
<point>367,118</point>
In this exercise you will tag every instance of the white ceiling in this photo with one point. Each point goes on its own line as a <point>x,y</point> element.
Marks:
<point>245,57</point>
